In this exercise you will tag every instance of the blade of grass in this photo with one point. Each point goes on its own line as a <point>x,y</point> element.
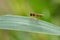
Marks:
<point>28,24</point>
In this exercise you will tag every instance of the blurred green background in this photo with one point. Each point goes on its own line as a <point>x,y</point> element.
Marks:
<point>50,9</point>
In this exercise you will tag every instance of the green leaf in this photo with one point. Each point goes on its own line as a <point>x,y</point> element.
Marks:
<point>28,24</point>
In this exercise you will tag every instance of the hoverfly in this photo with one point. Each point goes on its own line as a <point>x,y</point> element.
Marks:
<point>36,15</point>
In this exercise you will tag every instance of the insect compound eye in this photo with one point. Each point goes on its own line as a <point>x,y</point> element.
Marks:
<point>31,14</point>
